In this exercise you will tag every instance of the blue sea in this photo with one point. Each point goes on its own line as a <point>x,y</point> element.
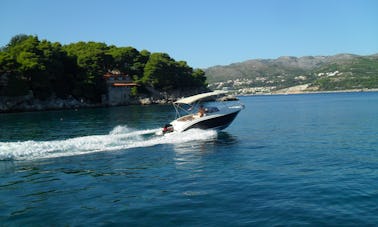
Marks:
<point>286,160</point>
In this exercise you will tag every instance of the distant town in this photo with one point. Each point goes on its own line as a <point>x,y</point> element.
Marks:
<point>297,75</point>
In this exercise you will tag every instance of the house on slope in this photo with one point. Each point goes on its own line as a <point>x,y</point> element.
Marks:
<point>118,88</point>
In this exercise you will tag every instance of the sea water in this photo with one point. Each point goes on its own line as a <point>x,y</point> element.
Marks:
<point>285,160</point>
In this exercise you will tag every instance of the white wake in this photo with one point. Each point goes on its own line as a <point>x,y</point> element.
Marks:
<point>120,138</point>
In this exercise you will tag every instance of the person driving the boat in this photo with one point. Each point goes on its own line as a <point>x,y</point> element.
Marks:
<point>201,111</point>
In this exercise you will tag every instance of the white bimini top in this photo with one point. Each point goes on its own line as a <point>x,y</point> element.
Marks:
<point>195,98</point>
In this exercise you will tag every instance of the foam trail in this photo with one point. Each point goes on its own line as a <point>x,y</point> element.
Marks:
<point>120,138</point>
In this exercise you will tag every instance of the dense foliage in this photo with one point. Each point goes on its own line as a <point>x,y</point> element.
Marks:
<point>51,69</point>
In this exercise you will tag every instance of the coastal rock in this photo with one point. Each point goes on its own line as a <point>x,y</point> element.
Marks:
<point>9,103</point>
<point>29,103</point>
<point>145,101</point>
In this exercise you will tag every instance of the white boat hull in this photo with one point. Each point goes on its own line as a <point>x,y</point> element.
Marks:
<point>217,121</point>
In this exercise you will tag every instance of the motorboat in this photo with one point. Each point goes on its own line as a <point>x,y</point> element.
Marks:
<point>196,112</point>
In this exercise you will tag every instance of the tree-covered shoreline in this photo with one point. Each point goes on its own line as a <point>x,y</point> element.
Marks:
<point>49,69</point>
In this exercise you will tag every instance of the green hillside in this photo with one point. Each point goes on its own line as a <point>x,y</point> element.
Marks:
<point>320,73</point>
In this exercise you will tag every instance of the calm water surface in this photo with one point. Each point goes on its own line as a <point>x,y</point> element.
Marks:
<point>285,160</point>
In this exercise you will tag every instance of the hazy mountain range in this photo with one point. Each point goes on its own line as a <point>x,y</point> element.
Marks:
<point>310,73</point>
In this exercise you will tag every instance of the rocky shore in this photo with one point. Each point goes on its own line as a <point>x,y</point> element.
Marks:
<point>307,89</point>
<point>29,103</point>
<point>25,104</point>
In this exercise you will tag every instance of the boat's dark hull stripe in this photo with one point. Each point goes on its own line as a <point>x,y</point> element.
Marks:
<point>217,122</point>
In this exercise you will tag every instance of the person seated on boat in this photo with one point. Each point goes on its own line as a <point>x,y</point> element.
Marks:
<point>201,111</point>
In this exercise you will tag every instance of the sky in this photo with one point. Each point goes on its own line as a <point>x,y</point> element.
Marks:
<point>203,33</point>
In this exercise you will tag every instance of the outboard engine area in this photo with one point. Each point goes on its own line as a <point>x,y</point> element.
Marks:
<point>167,128</point>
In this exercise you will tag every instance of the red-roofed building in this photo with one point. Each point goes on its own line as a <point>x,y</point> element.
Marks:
<point>119,88</point>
